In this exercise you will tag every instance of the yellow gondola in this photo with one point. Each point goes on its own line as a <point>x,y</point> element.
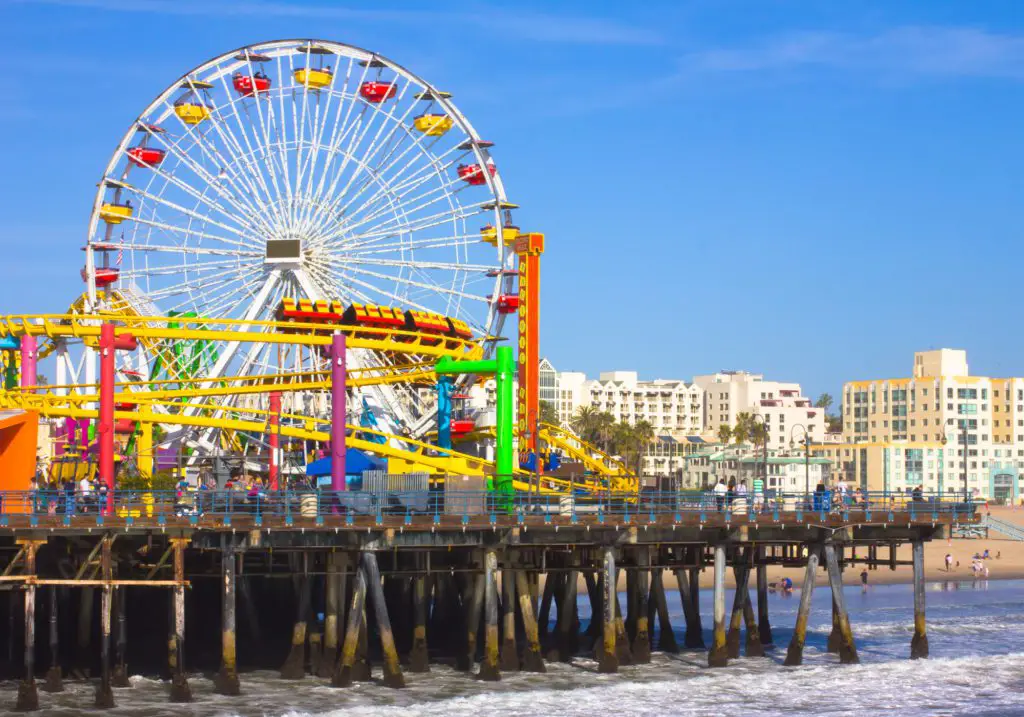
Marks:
<point>192,113</point>
<point>115,213</point>
<point>490,235</point>
<point>316,79</point>
<point>433,125</point>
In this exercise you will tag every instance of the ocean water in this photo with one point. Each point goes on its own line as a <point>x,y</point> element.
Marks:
<point>975,630</point>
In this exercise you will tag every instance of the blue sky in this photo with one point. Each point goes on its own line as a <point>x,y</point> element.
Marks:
<point>809,189</point>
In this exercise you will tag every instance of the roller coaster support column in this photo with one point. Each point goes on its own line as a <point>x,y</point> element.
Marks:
<point>29,356</point>
<point>529,247</point>
<point>110,342</point>
<point>445,388</point>
<point>274,439</point>
<point>501,367</point>
<point>12,344</point>
<point>339,409</point>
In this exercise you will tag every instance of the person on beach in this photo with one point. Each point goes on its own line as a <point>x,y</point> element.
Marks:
<point>864,579</point>
<point>949,562</point>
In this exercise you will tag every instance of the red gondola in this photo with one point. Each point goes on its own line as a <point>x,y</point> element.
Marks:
<point>146,156</point>
<point>377,92</point>
<point>247,85</point>
<point>471,174</point>
<point>105,276</point>
<point>508,304</point>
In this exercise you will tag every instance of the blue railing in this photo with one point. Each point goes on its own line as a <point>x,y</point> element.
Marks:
<point>304,505</point>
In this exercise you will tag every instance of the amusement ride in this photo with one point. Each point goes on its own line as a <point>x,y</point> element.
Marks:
<point>272,205</point>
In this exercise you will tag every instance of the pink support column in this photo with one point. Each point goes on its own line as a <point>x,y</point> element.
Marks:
<point>339,411</point>
<point>105,426</point>
<point>29,357</point>
<point>274,439</point>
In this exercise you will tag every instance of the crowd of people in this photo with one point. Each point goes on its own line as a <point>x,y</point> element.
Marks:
<point>728,495</point>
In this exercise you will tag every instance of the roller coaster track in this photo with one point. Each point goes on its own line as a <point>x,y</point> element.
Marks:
<point>150,328</point>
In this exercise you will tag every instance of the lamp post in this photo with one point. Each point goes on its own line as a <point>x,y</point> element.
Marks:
<point>807,453</point>
<point>964,434</point>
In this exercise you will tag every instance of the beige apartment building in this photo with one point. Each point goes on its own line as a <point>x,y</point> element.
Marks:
<point>787,413</point>
<point>933,427</point>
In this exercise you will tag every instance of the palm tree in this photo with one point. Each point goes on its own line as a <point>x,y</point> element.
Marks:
<point>548,413</point>
<point>743,428</point>
<point>604,430</point>
<point>758,433</point>
<point>642,436</point>
<point>824,401</point>
<point>583,422</point>
<point>724,433</point>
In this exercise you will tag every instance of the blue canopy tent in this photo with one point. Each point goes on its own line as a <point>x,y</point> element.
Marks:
<point>356,463</point>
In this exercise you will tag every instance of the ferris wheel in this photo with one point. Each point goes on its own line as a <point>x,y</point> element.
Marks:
<point>302,170</point>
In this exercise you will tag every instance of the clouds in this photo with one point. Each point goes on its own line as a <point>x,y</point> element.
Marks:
<point>929,51</point>
<point>519,25</point>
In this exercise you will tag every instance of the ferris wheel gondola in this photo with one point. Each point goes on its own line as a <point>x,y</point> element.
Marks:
<point>302,170</point>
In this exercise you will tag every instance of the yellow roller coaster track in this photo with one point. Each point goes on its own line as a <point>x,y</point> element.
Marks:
<point>87,327</point>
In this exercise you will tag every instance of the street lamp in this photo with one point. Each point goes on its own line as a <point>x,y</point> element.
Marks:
<point>807,453</point>
<point>964,434</point>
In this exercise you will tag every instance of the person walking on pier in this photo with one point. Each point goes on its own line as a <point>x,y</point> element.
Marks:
<point>758,493</point>
<point>720,490</point>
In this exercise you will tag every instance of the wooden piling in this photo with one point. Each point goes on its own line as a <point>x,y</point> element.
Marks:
<point>693,638</point>
<point>718,655</point>
<point>732,639</point>
<point>294,667</point>
<point>764,627</point>
<point>544,616</point>
<point>847,648</point>
<point>566,637</point>
<point>28,694</point>
<point>393,676</point>
<point>419,659</point>
<point>919,642</point>
<point>54,681</point>
<point>532,661</point>
<point>834,635</point>
<point>343,673</point>
<point>325,666</point>
<point>473,607</point>
<point>622,650</point>
<point>795,653</point>
<point>104,693</point>
<point>119,675</point>
<point>607,659</point>
<point>659,608</point>
<point>489,665</point>
<point>641,647</point>
<point>180,690</point>
<point>226,681</point>
<point>753,646</point>
<point>509,653</point>
<point>695,601</point>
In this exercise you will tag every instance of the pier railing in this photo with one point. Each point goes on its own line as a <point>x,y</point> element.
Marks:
<point>289,506</point>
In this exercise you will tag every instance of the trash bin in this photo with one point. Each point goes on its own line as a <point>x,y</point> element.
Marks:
<point>308,505</point>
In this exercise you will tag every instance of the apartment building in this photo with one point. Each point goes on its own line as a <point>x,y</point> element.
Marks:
<point>789,471</point>
<point>789,415</point>
<point>935,426</point>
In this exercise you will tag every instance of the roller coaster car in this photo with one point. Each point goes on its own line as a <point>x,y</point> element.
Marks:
<point>432,125</point>
<point>247,86</point>
<point>473,175</point>
<point>146,156</point>
<point>124,425</point>
<point>458,329</point>
<point>377,92</point>
<point>309,312</point>
<point>372,315</point>
<point>424,322</point>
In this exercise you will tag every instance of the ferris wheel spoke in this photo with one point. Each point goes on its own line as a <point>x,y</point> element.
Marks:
<point>192,214</point>
<point>455,241</point>
<point>403,206</point>
<point>176,249</point>
<point>213,183</point>
<point>186,231</point>
<point>412,283</point>
<point>433,168</point>
<point>387,229</point>
<point>208,150</point>
<point>348,280</point>
<point>417,264</point>
<point>176,269</point>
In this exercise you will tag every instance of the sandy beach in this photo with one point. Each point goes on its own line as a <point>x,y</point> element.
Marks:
<point>1009,564</point>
